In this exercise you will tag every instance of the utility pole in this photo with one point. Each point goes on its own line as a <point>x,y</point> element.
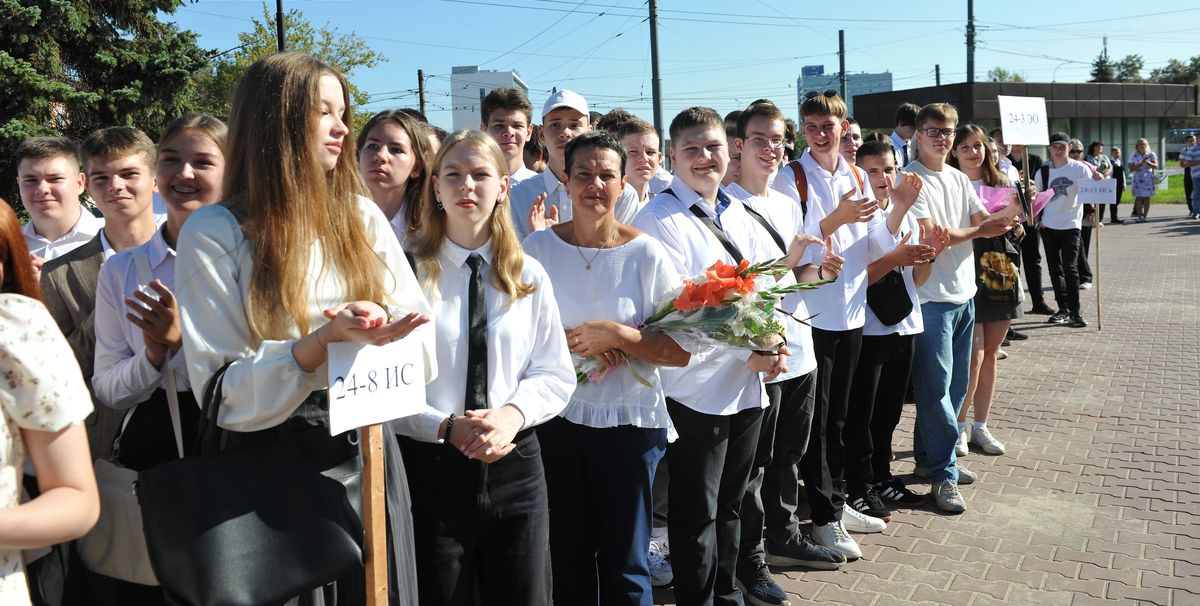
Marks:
<point>970,41</point>
<point>655,80</point>
<point>279,26</point>
<point>842,61</point>
<point>421,89</point>
<point>937,74</point>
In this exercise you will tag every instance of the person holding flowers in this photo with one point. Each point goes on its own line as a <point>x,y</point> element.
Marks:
<point>601,452</point>
<point>715,402</point>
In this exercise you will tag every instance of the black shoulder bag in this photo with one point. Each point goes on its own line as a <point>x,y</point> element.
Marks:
<point>258,523</point>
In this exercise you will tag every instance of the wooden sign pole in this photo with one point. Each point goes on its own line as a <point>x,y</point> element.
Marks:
<point>1096,228</point>
<point>374,515</point>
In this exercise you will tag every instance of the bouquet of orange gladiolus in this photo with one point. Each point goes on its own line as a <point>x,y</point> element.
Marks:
<point>731,306</point>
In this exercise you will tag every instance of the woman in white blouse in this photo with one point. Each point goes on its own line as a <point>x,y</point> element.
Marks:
<point>43,402</point>
<point>474,463</point>
<point>293,259</point>
<point>138,340</point>
<point>394,154</point>
<point>602,451</point>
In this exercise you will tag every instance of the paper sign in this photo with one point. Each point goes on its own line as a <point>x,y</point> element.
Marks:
<point>1103,191</point>
<point>371,384</point>
<point>1023,120</point>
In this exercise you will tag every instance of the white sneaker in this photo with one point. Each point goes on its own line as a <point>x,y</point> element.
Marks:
<point>834,536</point>
<point>661,573</point>
<point>857,521</point>
<point>981,437</point>
<point>964,437</point>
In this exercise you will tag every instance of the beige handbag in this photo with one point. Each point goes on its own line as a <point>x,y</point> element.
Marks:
<point>116,545</point>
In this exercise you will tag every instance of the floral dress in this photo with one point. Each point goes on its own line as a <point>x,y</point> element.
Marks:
<point>38,391</point>
<point>1143,178</point>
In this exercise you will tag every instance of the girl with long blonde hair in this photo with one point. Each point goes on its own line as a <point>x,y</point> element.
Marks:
<point>475,469</point>
<point>293,259</point>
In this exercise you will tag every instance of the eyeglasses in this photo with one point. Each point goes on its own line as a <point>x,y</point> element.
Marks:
<point>825,93</point>
<point>764,143</point>
<point>939,133</point>
<point>1075,151</point>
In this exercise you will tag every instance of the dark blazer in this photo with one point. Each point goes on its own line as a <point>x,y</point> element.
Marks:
<point>69,285</point>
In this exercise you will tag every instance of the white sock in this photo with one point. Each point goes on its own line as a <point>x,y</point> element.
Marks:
<point>962,427</point>
<point>977,426</point>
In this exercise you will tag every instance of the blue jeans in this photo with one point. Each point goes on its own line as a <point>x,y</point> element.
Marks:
<point>941,368</point>
<point>1195,201</point>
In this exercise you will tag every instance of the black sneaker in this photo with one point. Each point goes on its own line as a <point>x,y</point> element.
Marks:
<point>895,491</point>
<point>803,552</point>
<point>761,589</point>
<point>1042,310</point>
<point>1077,321</point>
<point>1060,317</point>
<point>868,503</point>
<point>1014,335</point>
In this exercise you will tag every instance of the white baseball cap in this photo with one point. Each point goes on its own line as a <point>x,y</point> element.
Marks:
<point>566,98</point>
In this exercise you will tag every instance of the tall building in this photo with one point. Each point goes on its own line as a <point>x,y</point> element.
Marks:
<point>814,78</point>
<point>469,85</point>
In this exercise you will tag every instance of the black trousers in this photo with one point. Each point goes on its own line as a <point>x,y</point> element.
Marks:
<point>1187,188</point>
<point>823,464</point>
<point>876,400</point>
<point>1062,257</point>
<point>1031,258</point>
<point>481,530</point>
<point>769,507</point>
<point>710,468</point>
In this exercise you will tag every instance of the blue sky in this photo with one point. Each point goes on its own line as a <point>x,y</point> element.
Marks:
<point>717,53</point>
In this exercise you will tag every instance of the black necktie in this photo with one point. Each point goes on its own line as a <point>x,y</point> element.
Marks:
<point>476,337</point>
<point>904,150</point>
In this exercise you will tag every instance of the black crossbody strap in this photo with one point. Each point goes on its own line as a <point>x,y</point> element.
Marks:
<point>767,226</point>
<point>714,228</point>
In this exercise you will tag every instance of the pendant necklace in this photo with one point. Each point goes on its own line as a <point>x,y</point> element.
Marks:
<point>588,264</point>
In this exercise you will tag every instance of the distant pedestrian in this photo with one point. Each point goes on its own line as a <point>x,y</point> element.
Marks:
<point>1118,174</point>
<point>1189,158</point>
<point>1142,165</point>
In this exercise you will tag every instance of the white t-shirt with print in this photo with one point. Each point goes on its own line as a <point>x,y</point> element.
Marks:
<point>1064,211</point>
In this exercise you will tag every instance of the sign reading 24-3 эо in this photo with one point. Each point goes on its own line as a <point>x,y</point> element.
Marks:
<point>1023,120</point>
<point>372,384</point>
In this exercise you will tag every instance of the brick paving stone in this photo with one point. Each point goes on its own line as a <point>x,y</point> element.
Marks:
<point>1096,499</point>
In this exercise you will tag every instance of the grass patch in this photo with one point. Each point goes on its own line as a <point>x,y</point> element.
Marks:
<point>1172,195</point>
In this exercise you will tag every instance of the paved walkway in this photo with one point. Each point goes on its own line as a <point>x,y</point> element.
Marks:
<point>1097,499</point>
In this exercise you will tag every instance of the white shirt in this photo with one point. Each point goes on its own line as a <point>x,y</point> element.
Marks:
<point>912,324</point>
<point>81,233</point>
<point>842,304</point>
<point>948,199</point>
<point>626,284</point>
<point>901,150</point>
<point>529,364</point>
<point>785,216</point>
<point>123,376</point>
<point>720,383</point>
<point>661,180</point>
<point>522,174</point>
<point>1064,211</point>
<point>399,228</point>
<point>264,385</point>
<point>523,195</point>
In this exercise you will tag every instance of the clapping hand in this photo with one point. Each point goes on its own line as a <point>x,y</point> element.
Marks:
<point>539,219</point>
<point>904,193</point>
<point>937,237</point>
<point>852,210</point>
<point>912,254</point>
<point>997,225</point>
<point>158,317</point>
<point>831,265</point>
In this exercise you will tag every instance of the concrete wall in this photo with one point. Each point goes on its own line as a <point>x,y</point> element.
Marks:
<point>468,84</point>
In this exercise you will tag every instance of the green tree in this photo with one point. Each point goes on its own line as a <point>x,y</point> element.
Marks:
<point>1178,72</point>
<point>217,81</point>
<point>71,66</point>
<point>1103,69</point>
<point>1129,69</point>
<point>999,74</point>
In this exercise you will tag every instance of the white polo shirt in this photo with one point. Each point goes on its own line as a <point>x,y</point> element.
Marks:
<point>717,382</point>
